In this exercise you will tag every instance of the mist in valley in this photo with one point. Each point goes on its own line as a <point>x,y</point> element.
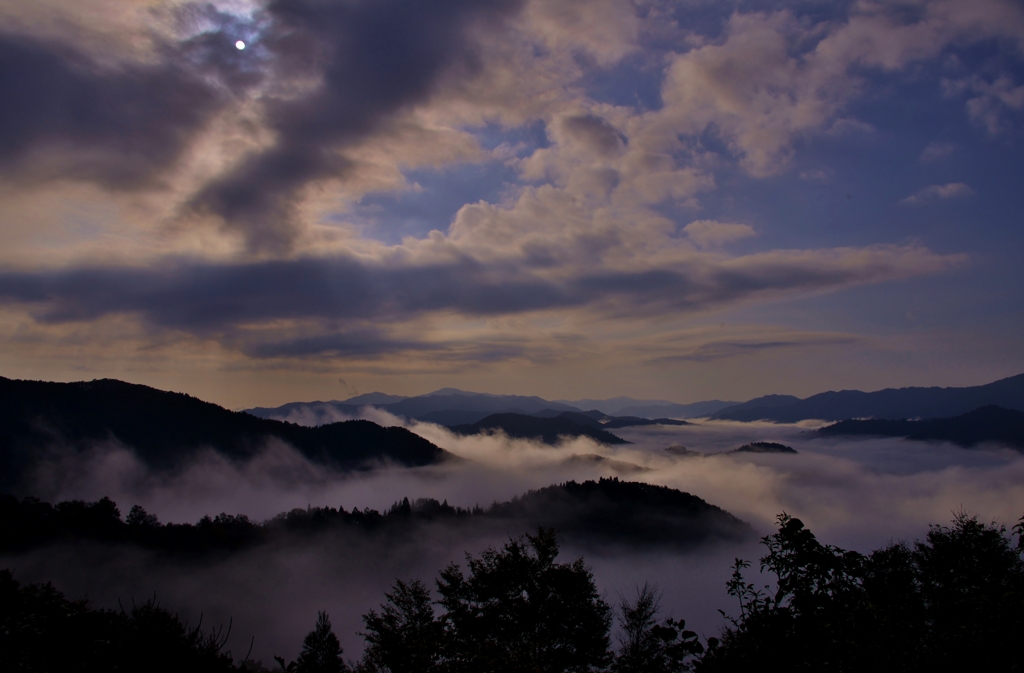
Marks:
<point>858,494</point>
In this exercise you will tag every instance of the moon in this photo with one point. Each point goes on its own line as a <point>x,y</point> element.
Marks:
<point>239,45</point>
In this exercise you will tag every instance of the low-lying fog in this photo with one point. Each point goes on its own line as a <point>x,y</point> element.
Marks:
<point>858,494</point>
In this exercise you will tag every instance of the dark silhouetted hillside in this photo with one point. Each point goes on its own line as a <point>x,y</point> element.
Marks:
<point>451,400</point>
<point>605,511</point>
<point>604,462</point>
<point>890,403</point>
<point>547,430</point>
<point>764,447</point>
<point>987,424</point>
<point>308,413</point>
<point>450,406</point>
<point>41,630</point>
<point>628,406</point>
<point>633,421</point>
<point>757,408</point>
<point>447,406</point>
<point>693,410</point>
<point>598,419</point>
<point>610,511</point>
<point>680,451</point>
<point>164,429</point>
<point>590,418</point>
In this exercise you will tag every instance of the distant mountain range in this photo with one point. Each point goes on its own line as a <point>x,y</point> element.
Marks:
<point>547,430</point>
<point>627,406</point>
<point>447,406</point>
<point>164,429</point>
<point>889,403</point>
<point>987,424</point>
<point>451,406</point>
<point>680,451</point>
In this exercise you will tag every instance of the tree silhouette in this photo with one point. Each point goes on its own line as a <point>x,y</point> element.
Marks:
<point>950,602</point>
<point>645,646</point>
<point>41,630</point>
<point>321,650</point>
<point>404,637</point>
<point>139,517</point>
<point>519,610</point>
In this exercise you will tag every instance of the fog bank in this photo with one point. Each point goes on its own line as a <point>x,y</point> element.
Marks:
<point>858,494</point>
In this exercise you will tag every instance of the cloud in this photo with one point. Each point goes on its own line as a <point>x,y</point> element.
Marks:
<point>343,344</point>
<point>720,349</point>
<point>709,233</point>
<point>935,151</point>
<point>775,79</point>
<point>605,30</point>
<point>996,99</point>
<point>595,133</point>
<point>372,60</point>
<point>237,223</point>
<point>346,302</point>
<point>66,116</point>
<point>816,175</point>
<point>952,190</point>
<point>858,494</point>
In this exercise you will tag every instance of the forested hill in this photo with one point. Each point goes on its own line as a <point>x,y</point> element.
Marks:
<point>889,403</point>
<point>165,428</point>
<point>610,511</point>
<point>987,424</point>
<point>592,513</point>
<point>547,430</point>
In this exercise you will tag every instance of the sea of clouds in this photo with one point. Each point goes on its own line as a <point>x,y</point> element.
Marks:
<point>859,494</point>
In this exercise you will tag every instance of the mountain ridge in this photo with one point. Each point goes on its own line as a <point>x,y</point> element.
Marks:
<point>452,406</point>
<point>547,430</point>
<point>909,402</point>
<point>164,429</point>
<point>983,425</point>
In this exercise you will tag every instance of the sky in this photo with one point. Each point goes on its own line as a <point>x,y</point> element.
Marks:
<point>682,200</point>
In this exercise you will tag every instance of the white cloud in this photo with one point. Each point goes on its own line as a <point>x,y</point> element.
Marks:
<point>710,234</point>
<point>994,101</point>
<point>935,151</point>
<point>952,190</point>
<point>816,175</point>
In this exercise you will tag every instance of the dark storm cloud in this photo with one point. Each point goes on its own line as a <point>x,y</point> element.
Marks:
<point>720,350</point>
<point>63,115</point>
<point>204,298</point>
<point>595,132</point>
<point>373,343</point>
<point>374,58</point>
<point>703,287</point>
<point>351,300</point>
<point>362,342</point>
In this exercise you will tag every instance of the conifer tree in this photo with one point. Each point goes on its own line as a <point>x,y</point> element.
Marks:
<point>404,637</point>
<point>321,651</point>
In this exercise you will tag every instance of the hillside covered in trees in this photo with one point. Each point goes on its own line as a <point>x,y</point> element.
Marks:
<point>547,430</point>
<point>604,512</point>
<point>166,429</point>
<point>987,424</point>
<point>948,602</point>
